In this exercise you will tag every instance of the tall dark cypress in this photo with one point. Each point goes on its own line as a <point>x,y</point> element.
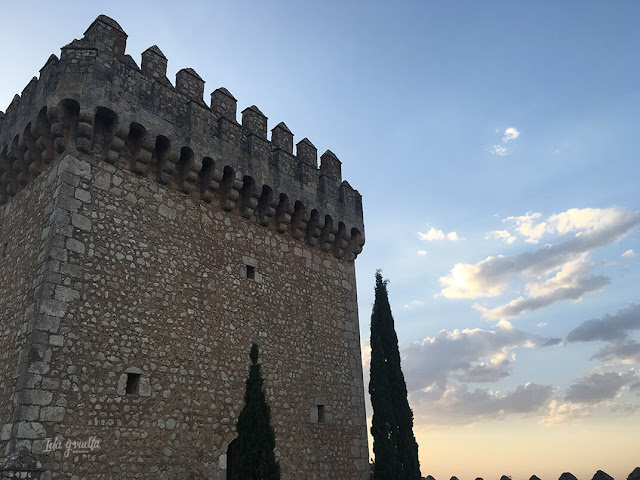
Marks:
<point>256,438</point>
<point>394,446</point>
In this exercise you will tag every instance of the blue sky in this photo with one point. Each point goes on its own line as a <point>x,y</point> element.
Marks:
<point>496,148</point>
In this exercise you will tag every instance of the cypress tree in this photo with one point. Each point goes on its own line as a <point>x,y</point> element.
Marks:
<point>256,438</point>
<point>394,446</point>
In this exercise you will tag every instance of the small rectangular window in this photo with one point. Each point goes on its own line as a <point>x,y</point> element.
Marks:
<point>321,414</point>
<point>133,383</point>
<point>251,272</point>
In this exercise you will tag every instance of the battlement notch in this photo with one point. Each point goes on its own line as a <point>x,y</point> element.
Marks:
<point>107,36</point>
<point>154,63</point>
<point>190,84</point>
<point>281,137</point>
<point>307,153</point>
<point>223,104</point>
<point>254,121</point>
<point>331,166</point>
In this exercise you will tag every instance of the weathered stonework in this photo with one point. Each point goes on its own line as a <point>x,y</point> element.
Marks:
<point>147,240</point>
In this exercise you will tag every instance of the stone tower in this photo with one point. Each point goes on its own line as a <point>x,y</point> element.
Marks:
<point>147,239</point>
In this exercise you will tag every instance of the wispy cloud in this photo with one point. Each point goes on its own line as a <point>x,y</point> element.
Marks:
<point>598,387</point>
<point>413,303</point>
<point>592,392</point>
<point>437,234</point>
<point>572,282</point>
<point>553,272</point>
<point>470,355</point>
<point>440,372</point>
<point>560,412</point>
<point>574,220</point>
<point>609,327</point>
<point>626,409</point>
<point>615,330</point>
<point>502,235</point>
<point>621,351</point>
<point>628,254</point>
<point>461,405</point>
<point>499,149</point>
<point>422,253</point>
<point>509,135</point>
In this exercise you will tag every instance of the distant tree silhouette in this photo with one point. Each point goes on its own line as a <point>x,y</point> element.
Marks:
<point>394,445</point>
<point>567,476</point>
<point>600,475</point>
<point>256,438</point>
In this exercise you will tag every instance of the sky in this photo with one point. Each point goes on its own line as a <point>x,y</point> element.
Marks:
<point>495,145</point>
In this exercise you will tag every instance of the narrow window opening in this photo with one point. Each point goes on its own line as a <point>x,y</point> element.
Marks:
<point>133,383</point>
<point>321,414</point>
<point>251,272</point>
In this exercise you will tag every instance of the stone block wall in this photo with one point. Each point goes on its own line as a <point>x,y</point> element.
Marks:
<point>152,240</point>
<point>163,289</point>
<point>23,248</point>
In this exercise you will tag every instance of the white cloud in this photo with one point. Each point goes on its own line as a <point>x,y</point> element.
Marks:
<point>552,272</point>
<point>471,355</point>
<point>365,349</point>
<point>592,392</point>
<point>502,235</point>
<point>431,235</point>
<point>569,276</point>
<point>574,220</point>
<point>468,281</point>
<point>527,227</point>
<point>462,406</point>
<point>558,412</point>
<point>570,283</point>
<point>584,219</point>
<point>510,133</point>
<point>542,324</point>
<point>498,150</point>
<point>628,254</point>
<point>422,253</point>
<point>436,234</point>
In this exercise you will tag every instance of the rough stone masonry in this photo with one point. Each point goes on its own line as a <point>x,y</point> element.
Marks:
<point>146,240</point>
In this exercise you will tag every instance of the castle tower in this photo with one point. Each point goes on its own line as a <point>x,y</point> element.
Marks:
<point>147,239</point>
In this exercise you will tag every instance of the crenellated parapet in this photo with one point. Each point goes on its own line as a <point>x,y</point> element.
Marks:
<point>96,100</point>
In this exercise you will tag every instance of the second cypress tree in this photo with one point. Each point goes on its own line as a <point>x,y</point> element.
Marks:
<point>256,438</point>
<point>394,445</point>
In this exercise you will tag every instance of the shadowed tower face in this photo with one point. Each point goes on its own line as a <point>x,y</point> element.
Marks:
<point>148,239</point>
